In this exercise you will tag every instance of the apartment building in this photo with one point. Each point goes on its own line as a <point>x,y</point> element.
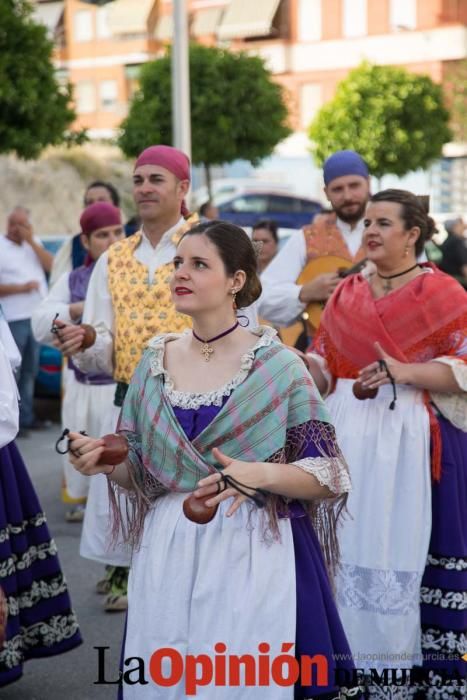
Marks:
<point>309,45</point>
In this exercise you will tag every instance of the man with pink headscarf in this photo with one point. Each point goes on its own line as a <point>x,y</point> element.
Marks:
<point>128,298</point>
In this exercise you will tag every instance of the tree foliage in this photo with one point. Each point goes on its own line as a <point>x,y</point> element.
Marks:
<point>237,111</point>
<point>395,119</point>
<point>34,109</point>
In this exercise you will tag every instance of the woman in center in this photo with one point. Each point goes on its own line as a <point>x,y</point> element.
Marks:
<point>221,400</point>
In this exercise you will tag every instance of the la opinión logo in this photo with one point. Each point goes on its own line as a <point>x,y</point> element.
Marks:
<point>167,667</point>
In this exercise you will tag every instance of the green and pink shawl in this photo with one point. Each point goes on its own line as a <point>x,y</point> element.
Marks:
<point>270,416</point>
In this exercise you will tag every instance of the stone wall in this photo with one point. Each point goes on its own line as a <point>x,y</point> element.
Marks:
<point>53,186</point>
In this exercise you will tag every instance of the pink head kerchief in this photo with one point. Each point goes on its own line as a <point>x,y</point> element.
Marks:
<point>99,215</point>
<point>171,159</point>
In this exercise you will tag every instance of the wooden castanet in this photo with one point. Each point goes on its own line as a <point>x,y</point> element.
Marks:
<point>196,510</point>
<point>115,449</point>
<point>89,336</point>
<point>363,392</point>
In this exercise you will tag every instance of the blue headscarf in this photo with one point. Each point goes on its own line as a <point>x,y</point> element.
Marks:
<point>344,163</point>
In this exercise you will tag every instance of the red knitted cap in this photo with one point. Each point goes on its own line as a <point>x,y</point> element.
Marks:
<point>167,157</point>
<point>99,215</point>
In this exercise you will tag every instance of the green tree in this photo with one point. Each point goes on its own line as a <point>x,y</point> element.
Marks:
<point>395,119</point>
<point>34,109</point>
<point>237,110</point>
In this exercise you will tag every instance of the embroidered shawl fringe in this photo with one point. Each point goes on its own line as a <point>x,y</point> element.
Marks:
<point>324,513</point>
<point>128,520</point>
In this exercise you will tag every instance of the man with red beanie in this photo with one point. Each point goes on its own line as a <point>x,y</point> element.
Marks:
<point>128,299</point>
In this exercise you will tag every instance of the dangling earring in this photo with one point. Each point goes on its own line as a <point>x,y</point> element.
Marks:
<point>406,251</point>
<point>234,294</point>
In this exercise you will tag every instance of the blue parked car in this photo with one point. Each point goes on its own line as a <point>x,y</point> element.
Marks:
<point>288,211</point>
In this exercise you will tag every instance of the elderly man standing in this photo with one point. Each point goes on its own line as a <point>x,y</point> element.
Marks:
<point>23,264</point>
<point>347,187</point>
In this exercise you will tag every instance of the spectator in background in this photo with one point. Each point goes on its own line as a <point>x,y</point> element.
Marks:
<point>454,250</point>
<point>99,191</point>
<point>24,263</point>
<point>208,211</point>
<point>72,253</point>
<point>265,233</point>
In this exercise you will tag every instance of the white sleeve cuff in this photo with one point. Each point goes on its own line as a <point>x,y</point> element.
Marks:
<point>323,469</point>
<point>453,406</point>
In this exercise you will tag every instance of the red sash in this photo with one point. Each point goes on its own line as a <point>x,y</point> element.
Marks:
<point>424,319</point>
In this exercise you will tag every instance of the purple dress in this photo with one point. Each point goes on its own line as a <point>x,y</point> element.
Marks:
<point>444,585</point>
<point>318,627</point>
<point>41,621</point>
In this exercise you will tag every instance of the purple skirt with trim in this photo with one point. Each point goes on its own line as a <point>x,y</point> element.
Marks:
<point>318,626</point>
<point>444,584</point>
<point>40,619</point>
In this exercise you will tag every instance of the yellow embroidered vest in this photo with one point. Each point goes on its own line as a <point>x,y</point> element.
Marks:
<point>323,238</point>
<point>141,309</point>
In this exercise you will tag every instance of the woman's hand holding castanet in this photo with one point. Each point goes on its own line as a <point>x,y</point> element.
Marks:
<point>374,375</point>
<point>249,474</point>
<point>85,453</point>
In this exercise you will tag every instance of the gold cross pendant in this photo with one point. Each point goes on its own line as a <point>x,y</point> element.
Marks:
<point>207,351</point>
<point>387,286</point>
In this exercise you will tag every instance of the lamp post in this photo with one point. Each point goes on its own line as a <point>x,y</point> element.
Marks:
<point>181,114</point>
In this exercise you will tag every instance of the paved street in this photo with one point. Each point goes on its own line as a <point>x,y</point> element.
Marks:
<point>71,675</point>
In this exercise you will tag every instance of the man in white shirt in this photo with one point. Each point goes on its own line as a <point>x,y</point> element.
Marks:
<point>347,187</point>
<point>23,264</point>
